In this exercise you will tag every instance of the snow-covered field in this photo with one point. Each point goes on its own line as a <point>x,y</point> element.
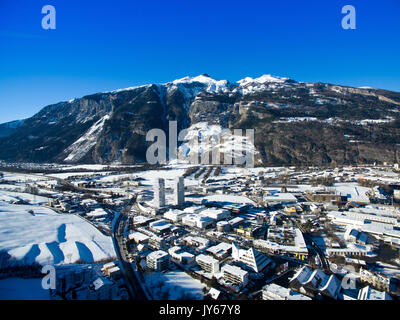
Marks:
<point>229,198</point>
<point>23,177</point>
<point>173,285</point>
<point>11,187</point>
<point>9,196</point>
<point>47,237</point>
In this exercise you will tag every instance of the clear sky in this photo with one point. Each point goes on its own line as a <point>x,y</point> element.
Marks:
<point>103,45</point>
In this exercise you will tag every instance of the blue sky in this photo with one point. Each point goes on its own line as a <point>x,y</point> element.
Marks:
<point>104,45</point>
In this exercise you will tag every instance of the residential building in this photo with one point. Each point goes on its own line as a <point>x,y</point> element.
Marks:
<point>156,242</point>
<point>157,260</point>
<point>160,226</point>
<point>236,222</point>
<point>223,226</point>
<point>114,273</point>
<point>179,255</point>
<point>140,221</point>
<point>138,237</point>
<point>377,280</point>
<point>367,293</point>
<point>316,282</point>
<point>174,215</point>
<point>197,242</point>
<point>108,266</point>
<point>197,220</point>
<point>208,263</point>
<point>216,214</point>
<point>221,250</point>
<point>235,275</point>
<point>251,257</point>
<point>351,250</point>
<point>275,292</point>
<point>102,289</point>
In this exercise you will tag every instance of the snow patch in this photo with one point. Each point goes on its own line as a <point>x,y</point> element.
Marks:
<point>263,79</point>
<point>202,138</point>
<point>83,145</point>
<point>206,81</point>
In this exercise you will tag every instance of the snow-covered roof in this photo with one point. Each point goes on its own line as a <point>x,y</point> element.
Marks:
<point>138,236</point>
<point>205,258</point>
<point>234,270</point>
<point>115,269</point>
<point>363,224</point>
<point>280,197</point>
<point>157,254</point>
<point>101,281</point>
<point>221,247</point>
<point>99,212</point>
<point>284,293</point>
<point>109,265</point>
<point>141,219</point>
<point>178,251</point>
<point>214,293</point>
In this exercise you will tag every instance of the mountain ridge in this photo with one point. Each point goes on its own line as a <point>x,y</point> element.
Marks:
<point>295,122</point>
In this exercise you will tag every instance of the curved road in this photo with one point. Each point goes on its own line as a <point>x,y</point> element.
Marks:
<point>316,248</point>
<point>134,287</point>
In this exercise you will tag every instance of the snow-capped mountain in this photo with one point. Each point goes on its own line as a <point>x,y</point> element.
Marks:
<point>294,122</point>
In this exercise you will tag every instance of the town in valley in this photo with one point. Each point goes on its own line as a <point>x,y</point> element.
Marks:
<point>211,232</point>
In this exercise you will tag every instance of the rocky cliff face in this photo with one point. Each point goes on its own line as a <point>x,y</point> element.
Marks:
<point>295,123</point>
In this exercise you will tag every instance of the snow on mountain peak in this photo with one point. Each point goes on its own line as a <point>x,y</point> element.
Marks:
<point>208,82</point>
<point>203,78</point>
<point>128,89</point>
<point>365,87</point>
<point>263,79</point>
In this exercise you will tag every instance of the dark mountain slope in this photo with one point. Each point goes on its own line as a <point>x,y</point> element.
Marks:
<point>295,123</point>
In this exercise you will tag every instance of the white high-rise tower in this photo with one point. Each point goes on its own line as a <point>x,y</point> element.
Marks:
<point>159,193</point>
<point>179,191</point>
